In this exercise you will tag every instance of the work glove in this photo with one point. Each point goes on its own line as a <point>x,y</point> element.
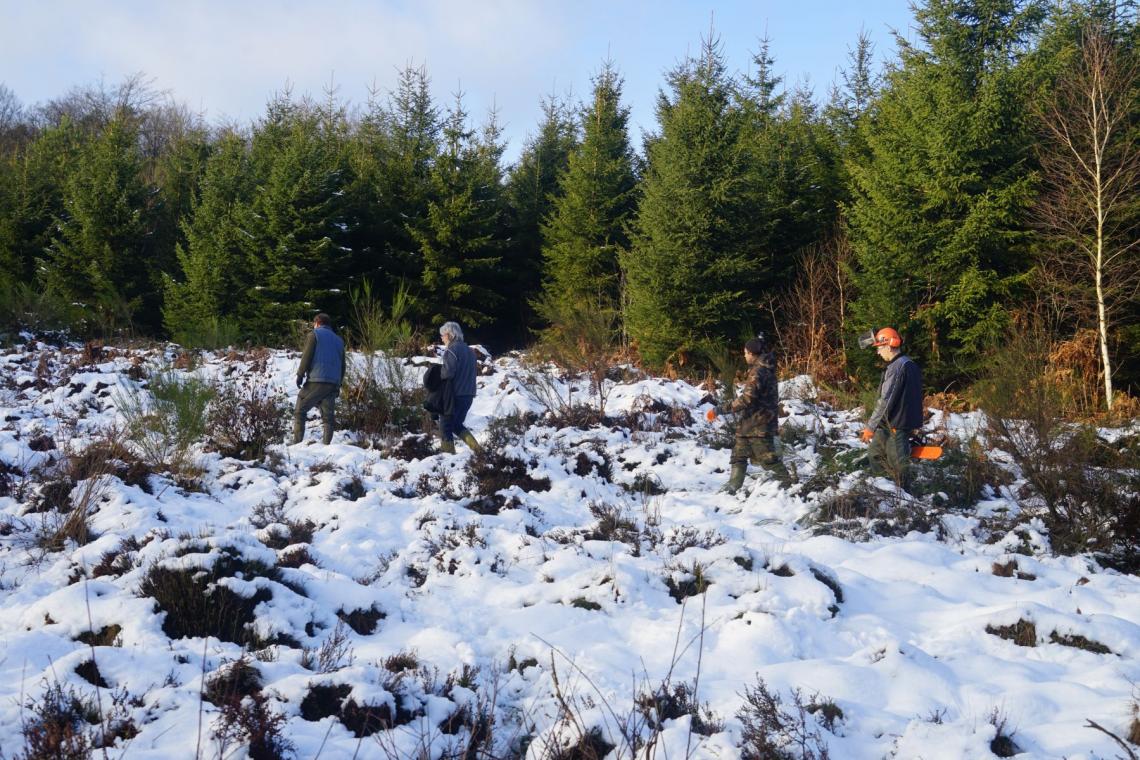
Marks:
<point>300,381</point>
<point>867,435</point>
<point>710,415</point>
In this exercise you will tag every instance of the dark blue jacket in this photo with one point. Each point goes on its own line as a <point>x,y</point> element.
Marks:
<point>900,396</point>
<point>459,368</point>
<point>323,358</point>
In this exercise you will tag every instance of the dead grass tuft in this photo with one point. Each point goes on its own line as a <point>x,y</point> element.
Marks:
<point>1023,632</point>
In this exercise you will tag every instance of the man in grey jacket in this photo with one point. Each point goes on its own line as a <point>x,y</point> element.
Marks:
<point>319,377</point>
<point>458,376</point>
<point>898,412</point>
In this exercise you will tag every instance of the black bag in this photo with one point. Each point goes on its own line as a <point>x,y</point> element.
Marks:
<point>434,385</point>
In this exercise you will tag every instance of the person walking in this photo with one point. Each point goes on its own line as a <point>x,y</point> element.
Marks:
<point>319,376</point>
<point>898,412</point>
<point>758,407</point>
<point>458,375</point>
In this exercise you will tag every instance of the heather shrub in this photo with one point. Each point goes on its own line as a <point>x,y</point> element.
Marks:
<point>245,418</point>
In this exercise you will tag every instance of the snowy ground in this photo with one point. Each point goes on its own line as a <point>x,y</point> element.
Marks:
<point>553,615</point>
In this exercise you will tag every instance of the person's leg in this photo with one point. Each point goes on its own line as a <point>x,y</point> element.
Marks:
<point>446,434</point>
<point>328,415</point>
<point>459,418</point>
<point>304,404</point>
<point>739,463</point>
<point>877,453</point>
<point>898,456</point>
<point>764,454</point>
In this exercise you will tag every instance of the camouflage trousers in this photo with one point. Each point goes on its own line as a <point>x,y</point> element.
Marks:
<point>762,451</point>
<point>889,455</point>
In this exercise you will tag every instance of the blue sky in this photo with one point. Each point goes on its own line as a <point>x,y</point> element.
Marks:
<point>227,58</point>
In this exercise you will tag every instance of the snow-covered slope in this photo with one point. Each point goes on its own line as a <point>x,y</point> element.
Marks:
<point>549,614</point>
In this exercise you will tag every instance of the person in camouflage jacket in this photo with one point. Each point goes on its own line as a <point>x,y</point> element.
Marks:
<point>758,408</point>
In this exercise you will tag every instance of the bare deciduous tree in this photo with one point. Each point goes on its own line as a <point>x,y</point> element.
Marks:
<point>810,317</point>
<point>1091,167</point>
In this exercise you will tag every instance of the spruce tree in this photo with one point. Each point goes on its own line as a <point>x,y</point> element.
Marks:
<point>415,131</point>
<point>460,241</point>
<point>939,200</point>
<point>299,161</point>
<point>532,186</point>
<point>215,277</point>
<point>694,273</point>
<point>96,256</point>
<point>588,229</point>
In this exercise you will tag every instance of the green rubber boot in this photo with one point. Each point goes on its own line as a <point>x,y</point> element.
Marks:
<point>469,439</point>
<point>736,479</point>
<point>446,446</point>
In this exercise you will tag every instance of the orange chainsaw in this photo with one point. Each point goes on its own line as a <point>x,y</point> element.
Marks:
<point>919,449</point>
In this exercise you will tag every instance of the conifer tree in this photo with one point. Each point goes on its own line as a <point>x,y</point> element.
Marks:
<point>796,183</point>
<point>460,241</point>
<point>693,273</point>
<point>215,277</point>
<point>96,257</point>
<point>939,201</point>
<point>299,160</point>
<point>587,231</point>
<point>532,186</point>
<point>415,130</point>
<point>35,187</point>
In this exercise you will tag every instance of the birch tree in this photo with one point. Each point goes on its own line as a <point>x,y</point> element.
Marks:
<point>1091,168</point>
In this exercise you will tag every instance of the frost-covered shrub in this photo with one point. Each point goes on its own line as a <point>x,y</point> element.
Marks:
<point>673,701</point>
<point>196,605</point>
<point>58,725</point>
<point>380,399</point>
<point>245,418</point>
<point>166,420</point>
<point>774,731</point>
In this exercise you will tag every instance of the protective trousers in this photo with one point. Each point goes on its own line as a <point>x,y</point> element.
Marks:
<point>889,454</point>
<point>311,395</point>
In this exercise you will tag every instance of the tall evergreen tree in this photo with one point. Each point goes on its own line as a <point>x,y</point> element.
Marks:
<point>587,231</point>
<point>35,190</point>
<point>850,101</point>
<point>796,184</point>
<point>939,200</point>
<point>299,161</point>
<point>693,274</point>
<point>532,186</point>
<point>215,277</point>
<point>415,131</point>
<point>175,172</point>
<point>461,241</point>
<point>96,257</point>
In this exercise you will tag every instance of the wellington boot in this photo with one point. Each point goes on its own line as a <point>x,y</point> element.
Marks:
<point>472,444</point>
<point>446,446</point>
<point>735,479</point>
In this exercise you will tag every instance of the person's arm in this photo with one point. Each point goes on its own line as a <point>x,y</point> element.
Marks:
<point>893,382</point>
<point>748,396</point>
<point>306,358</point>
<point>343,362</point>
<point>450,360</point>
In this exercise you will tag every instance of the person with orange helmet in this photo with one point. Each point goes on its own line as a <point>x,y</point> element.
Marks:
<point>898,412</point>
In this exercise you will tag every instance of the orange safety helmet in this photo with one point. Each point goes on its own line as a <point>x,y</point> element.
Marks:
<point>888,336</point>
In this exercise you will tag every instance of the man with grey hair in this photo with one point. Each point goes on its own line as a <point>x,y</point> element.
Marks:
<point>458,376</point>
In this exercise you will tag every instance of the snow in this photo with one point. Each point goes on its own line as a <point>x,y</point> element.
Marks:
<point>587,620</point>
